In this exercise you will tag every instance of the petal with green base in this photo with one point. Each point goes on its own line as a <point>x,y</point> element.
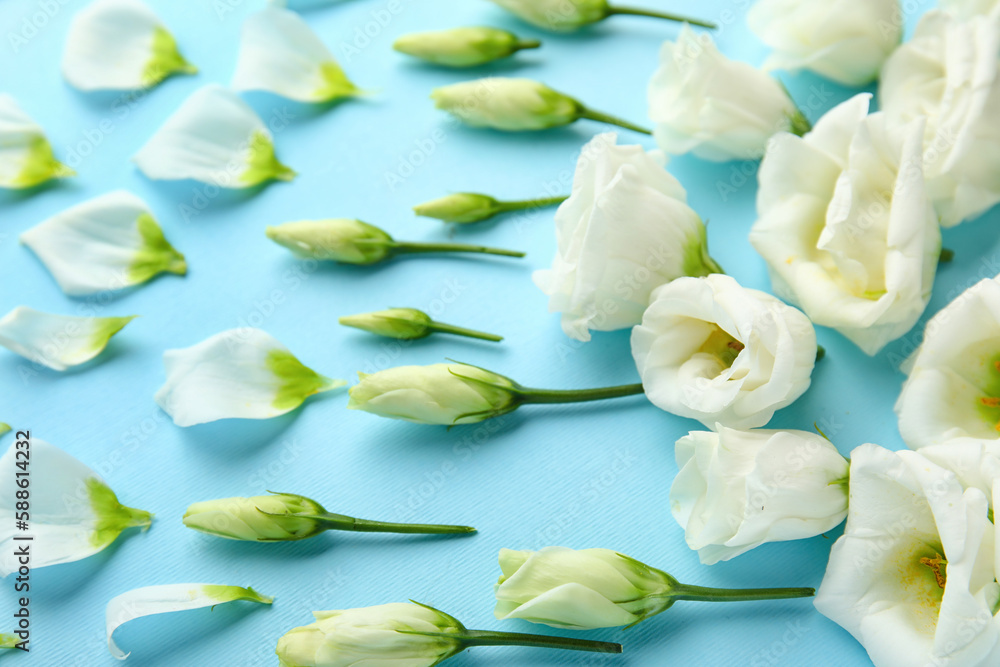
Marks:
<point>335,84</point>
<point>104,329</point>
<point>233,593</point>
<point>40,165</point>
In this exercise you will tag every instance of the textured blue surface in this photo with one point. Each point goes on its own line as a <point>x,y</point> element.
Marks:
<point>575,476</point>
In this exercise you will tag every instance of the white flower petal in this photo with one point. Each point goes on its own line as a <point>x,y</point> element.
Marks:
<point>281,54</point>
<point>167,598</point>
<point>73,512</point>
<point>26,157</point>
<point>626,230</point>
<point>57,341</point>
<point>844,40</point>
<point>107,243</point>
<point>240,373</point>
<point>120,45</point>
<point>214,137</point>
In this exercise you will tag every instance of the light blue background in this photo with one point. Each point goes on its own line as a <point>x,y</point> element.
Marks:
<point>591,476</point>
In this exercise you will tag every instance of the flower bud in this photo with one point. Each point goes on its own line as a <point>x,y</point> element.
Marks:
<point>382,635</point>
<point>507,104</point>
<point>462,47</point>
<point>586,589</point>
<point>401,323</point>
<point>560,15</point>
<point>339,239</point>
<point>257,519</point>
<point>460,207</point>
<point>446,394</point>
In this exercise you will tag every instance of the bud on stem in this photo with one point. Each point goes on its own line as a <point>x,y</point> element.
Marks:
<point>492,638</point>
<point>409,324</point>
<point>632,11</point>
<point>466,207</point>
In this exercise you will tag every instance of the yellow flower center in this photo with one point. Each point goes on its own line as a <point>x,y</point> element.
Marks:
<point>938,566</point>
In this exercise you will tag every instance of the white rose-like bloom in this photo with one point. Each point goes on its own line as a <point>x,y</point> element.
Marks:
<point>625,230</point>
<point>953,388</point>
<point>711,350</point>
<point>737,489</point>
<point>846,226</point>
<point>846,41</point>
<point>949,72</point>
<point>968,8</point>
<point>912,578</point>
<point>719,109</point>
<point>976,463</point>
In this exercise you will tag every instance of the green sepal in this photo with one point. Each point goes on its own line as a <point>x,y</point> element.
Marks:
<point>156,254</point>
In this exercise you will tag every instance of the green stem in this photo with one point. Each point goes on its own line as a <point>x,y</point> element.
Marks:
<point>528,395</point>
<point>703,594</point>
<point>462,331</point>
<point>406,247</point>
<point>349,523</point>
<point>506,206</point>
<point>632,11</point>
<point>590,114</point>
<point>491,638</point>
<point>947,255</point>
<point>820,353</point>
<point>527,44</point>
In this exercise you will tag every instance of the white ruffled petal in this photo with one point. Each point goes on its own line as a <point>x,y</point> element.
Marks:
<point>26,157</point>
<point>57,341</point>
<point>73,512</point>
<point>120,45</point>
<point>167,598</point>
<point>107,243</point>
<point>214,137</point>
<point>281,54</point>
<point>240,373</point>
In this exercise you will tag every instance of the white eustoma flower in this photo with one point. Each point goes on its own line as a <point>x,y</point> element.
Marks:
<point>214,137</point>
<point>719,109</point>
<point>57,341</point>
<point>281,54</point>
<point>953,388</point>
<point>625,230</point>
<point>26,158</point>
<point>976,463</point>
<point>844,40</point>
<point>120,45</point>
<point>913,576</point>
<point>949,72</point>
<point>167,598</point>
<point>970,8</point>
<point>737,489</point>
<point>846,226</point>
<point>237,374</point>
<point>711,350</point>
<point>600,588</point>
<point>107,243</point>
<point>73,513</point>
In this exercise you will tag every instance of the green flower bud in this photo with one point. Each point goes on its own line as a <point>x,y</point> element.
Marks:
<point>461,207</point>
<point>340,240</point>
<point>559,15</point>
<point>401,323</point>
<point>462,47</point>
<point>281,516</point>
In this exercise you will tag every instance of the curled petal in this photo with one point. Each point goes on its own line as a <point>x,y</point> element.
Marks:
<point>57,341</point>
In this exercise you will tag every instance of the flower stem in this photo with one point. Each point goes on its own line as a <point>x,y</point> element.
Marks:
<point>406,247</point>
<point>703,594</point>
<point>506,206</point>
<point>491,638</point>
<point>527,44</point>
<point>632,11</point>
<point>341,522</point>
<point>947,255</point>
<point>440,327</point>
<point>529,395</point>
<point>590,114</point>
